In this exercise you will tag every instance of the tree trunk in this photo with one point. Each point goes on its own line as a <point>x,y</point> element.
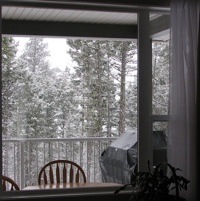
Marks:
<point>122,90</point>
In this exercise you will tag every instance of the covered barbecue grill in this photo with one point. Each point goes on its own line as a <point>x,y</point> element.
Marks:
<point>118,161</point>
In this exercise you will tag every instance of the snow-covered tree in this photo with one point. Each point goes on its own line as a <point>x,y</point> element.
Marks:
<point>124,63</point>
<point>9,77</point>
<point>36,88</point>
<point>91,59</point>
<point>160,68</point>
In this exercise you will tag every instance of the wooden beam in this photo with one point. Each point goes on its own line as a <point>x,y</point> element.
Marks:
<point>66,29</point>
<point>98,5</point>
<point>129,2</point>
<point>160,24</point>
<point>158,3</point>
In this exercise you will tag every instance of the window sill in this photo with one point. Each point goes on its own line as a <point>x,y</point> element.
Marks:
<point>76,194</point>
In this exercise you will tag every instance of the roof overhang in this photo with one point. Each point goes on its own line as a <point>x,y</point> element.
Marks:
<point>88,19</point>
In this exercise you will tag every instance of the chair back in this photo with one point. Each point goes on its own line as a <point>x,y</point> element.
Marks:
<point>8,184</point>
<point>61,171</point>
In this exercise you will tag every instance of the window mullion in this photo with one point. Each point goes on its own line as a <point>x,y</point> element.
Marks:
<point>144,91</point>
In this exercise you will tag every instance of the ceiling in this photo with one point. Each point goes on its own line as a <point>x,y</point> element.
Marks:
<point>64,15</point>
<point>61,15</point>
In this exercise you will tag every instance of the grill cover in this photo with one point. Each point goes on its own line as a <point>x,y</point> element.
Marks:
<point>159,148</point>
<point>118,161</point>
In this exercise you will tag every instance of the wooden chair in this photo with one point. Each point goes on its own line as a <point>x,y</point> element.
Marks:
<point>61,171</point>
<point>8,184</point>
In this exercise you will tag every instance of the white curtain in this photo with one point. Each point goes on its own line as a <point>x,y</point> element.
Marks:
<point>183,92</point>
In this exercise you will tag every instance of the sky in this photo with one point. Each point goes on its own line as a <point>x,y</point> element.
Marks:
<point>57,48</point>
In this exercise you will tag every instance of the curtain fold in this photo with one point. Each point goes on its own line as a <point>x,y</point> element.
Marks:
<point>184,92</point>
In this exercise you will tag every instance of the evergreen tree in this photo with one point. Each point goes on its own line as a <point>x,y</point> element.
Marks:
<point>160,68</point>
<point>8,84</point>
<point>9,77</point>
<point>124,62</point>
<point>66,121</point>
<point>92,71</point>
<point>37,82</point>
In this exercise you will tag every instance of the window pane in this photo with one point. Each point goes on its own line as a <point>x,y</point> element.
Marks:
<point>160,27</point>
<point>52,112</point>
<point>160,50</point>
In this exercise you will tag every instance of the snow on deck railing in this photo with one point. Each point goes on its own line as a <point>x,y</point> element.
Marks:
<point>23,158</point>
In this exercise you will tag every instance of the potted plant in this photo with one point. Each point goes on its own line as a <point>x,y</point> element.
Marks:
<point>156,186</point>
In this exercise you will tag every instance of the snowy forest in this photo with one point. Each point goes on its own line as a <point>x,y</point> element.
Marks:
<point>97,97</point>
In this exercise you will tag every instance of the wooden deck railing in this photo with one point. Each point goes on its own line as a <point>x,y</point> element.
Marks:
<point>23,158</point>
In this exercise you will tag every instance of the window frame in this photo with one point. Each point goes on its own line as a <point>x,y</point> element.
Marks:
<point>145,117</point>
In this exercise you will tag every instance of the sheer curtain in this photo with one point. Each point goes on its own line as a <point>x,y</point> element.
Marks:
<point>184,80</point>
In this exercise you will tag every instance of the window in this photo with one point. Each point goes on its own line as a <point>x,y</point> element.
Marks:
<point>92,94</point>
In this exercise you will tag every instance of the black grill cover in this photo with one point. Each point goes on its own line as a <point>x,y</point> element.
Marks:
<point>118,161</point>
<point>159,147</point>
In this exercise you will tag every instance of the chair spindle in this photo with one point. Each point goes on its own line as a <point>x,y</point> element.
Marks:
<point>64,174</point>
<point>51,175</point>
<point>58,173</point>
<point>77,176</point>
<point>71,175</point>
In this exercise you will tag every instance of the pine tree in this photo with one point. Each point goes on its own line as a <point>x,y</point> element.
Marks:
<point>160,77</point>
<point>8,102</point>
<point>36,85</point>
<point>124,64</point>
<point>8,84</point>
<point>65,105</point>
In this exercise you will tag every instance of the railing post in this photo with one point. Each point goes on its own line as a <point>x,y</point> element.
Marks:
<point>22,176</point>
<point>94,170</point>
